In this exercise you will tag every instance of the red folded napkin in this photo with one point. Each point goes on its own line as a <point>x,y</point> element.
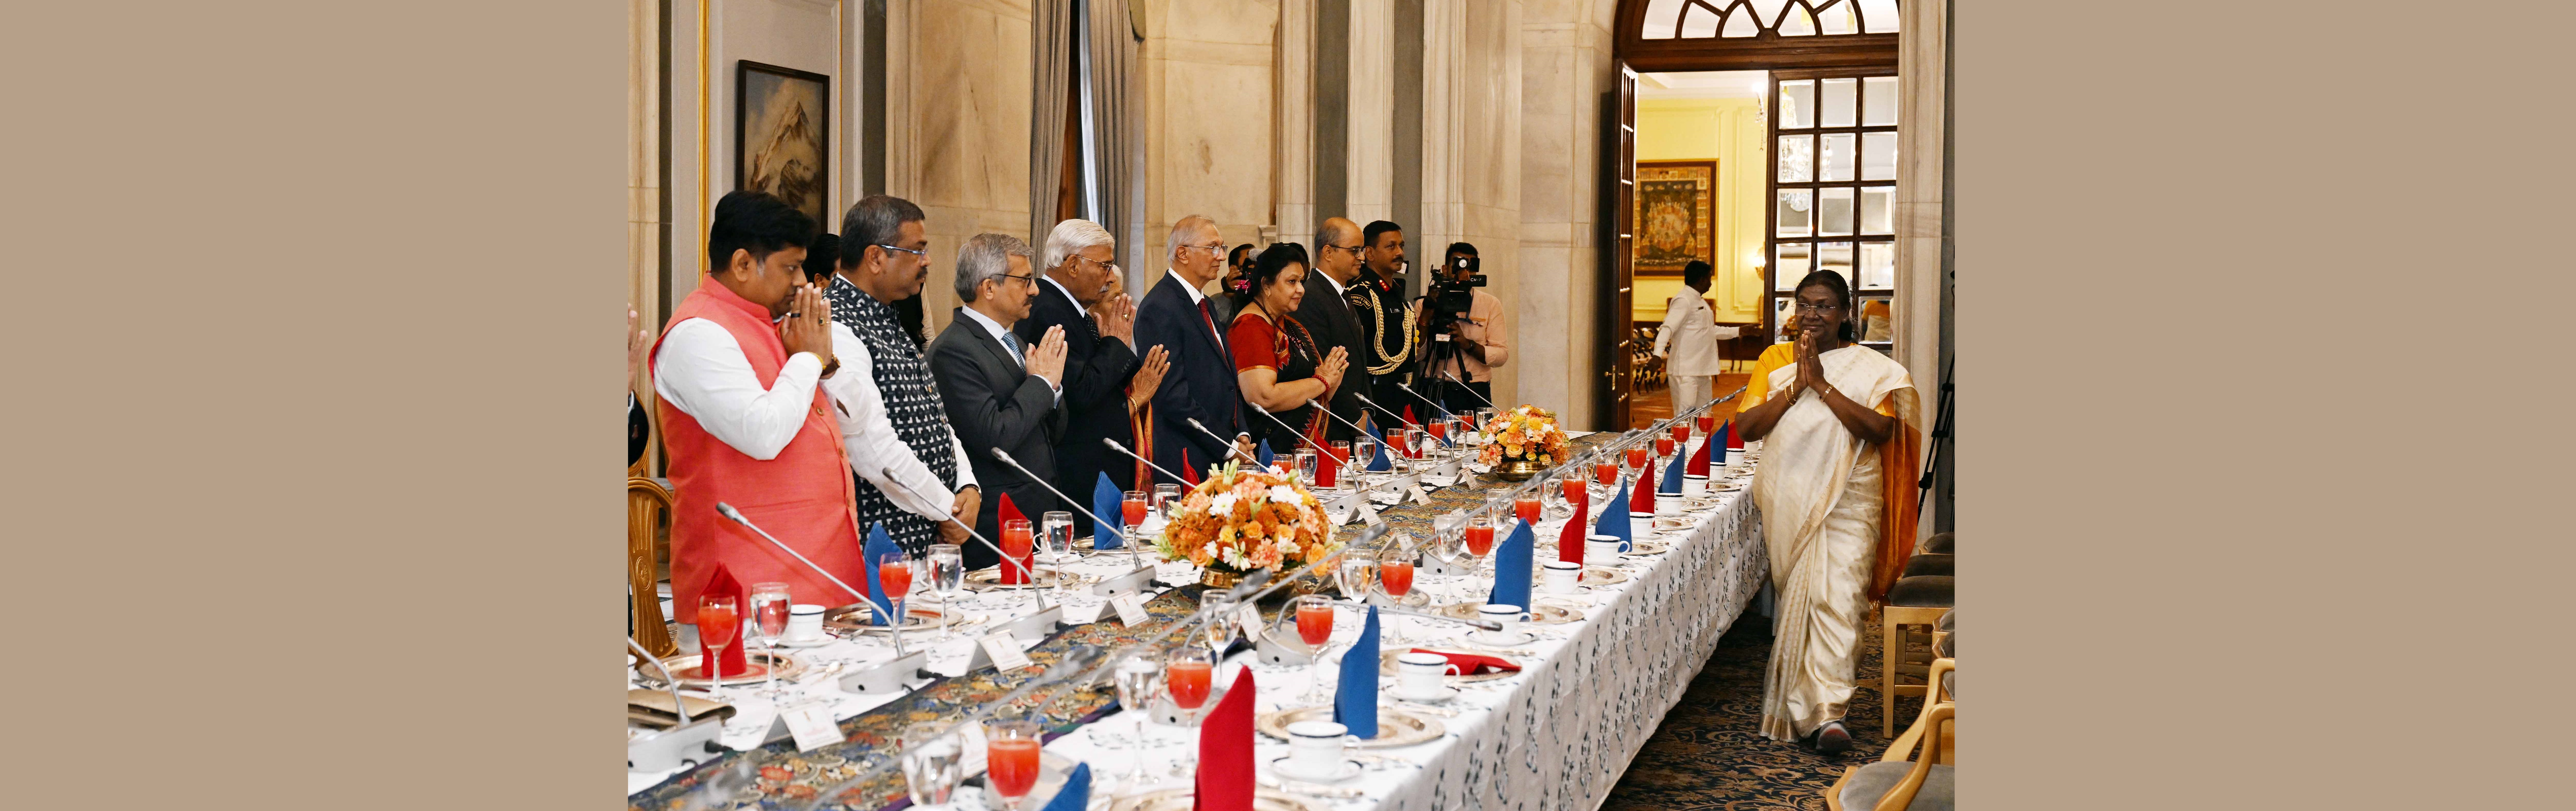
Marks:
<point>1189,472</point>
<point>1699,461</point>
<point>1015,571</point>
<point>1328,468</point>
<point>1408,415</point>
<point>723,585</point>
<point>1569,541</point>
<point>1470,664</point>
<point>1734,440</point>
<point>1225,750</point>
<point>1643,501</point>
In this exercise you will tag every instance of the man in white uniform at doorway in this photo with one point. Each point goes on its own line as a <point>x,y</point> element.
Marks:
<point>1688,340</point>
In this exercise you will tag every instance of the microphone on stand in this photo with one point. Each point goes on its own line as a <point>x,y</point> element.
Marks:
<point>1068,500</point>
<point>1301,435</point>
<point>1040,602</point>
<point>1373,404</point>
<point>1444,410</point>
<point>1113,445</point>
<point>735,515</point>
<point>1230,447</point>
<point>1462,386</point>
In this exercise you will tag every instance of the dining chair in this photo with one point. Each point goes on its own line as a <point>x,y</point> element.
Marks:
<point>1895,784</point>
<point>1914,602</point>
<point>647,501</point>
<point>1945,686</point>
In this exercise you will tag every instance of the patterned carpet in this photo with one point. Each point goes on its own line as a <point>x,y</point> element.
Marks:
<point>1710,754</point>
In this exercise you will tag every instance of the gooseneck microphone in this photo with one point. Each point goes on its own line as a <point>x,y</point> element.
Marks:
<point>1069,501</point>
<point>892,623</point>
<point>1034,599</point>
<point>1462,386</point>
<point>1230,447</point>
<point>1373,404</point>
<point>1113,445</point>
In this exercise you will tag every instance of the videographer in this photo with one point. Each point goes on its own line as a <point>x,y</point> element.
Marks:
<point>1463,334</point>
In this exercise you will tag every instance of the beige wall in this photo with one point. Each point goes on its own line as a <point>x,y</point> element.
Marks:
<point>1208,107</point>
<point>1564,66</point>
<point>1732,132</point>
<point>969,129</point>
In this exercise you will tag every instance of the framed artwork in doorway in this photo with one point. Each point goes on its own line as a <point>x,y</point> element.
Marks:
<point>782,136</point>
<point>1675,217</point>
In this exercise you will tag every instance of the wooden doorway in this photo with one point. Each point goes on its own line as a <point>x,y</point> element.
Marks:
<point>1808,39</point>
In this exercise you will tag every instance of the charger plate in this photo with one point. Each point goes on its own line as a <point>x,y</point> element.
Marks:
<point>990,579</point>
<point>1186,799</point>
<point>685,668</point>
<point>1543,614</point>
<point>1395,727</point>
<point>1386,664</point>
<point>853,618</point>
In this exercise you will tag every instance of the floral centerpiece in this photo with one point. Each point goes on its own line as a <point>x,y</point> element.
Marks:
<point>1527,437</point>
<point>1240,520</point>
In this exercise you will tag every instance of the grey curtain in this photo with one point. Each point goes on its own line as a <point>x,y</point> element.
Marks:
<point>1114,33</point>
<point>1051,50</point>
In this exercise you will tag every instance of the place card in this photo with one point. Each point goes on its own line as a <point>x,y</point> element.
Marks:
<point>812,725</point>
<point>1249,619</point>
<point>1004,650</point>
<point>749,726</point>
<point>971,761</point>
<point>1130,607</point>
<point>1416,494</point>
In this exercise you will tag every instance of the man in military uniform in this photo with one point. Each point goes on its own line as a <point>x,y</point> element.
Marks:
<point>1386,317</point>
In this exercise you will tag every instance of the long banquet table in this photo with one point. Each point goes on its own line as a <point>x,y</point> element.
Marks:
<point>1557,735</point>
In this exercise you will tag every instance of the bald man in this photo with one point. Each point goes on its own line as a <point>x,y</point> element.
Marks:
<point>1326,312</point>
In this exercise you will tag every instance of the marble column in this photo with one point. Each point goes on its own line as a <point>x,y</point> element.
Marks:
<point>1292,187</point>
<point>1471,167</point>
<point>1565,65</point>
<point>1372,107</point>
<point>1921,78</point>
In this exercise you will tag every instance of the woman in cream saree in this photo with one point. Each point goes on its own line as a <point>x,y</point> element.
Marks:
<point>1835,486</point>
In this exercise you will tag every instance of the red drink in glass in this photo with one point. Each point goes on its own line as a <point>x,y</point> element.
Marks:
<point>1681,431</point>
<point>1397,577</point>
<point>1135,512</point>
<point>1188,682</point>
<point>1439,429</point>
<point>895,578</point>
<point>1480,540</point>
<point>1015,542</point>
<point>1314,623</point>
<point>719,627</point>
<point>1607,472</point>
<point>1663,447</point>
<point>1013,765</point>
<point>1526,509</point>
<point>1707,424</point>
<point>1636,457</point>
<point>1573,490</point>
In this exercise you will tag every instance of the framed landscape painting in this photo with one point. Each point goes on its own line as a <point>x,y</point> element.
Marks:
<point>1676,216</point>
<point>782,135</point>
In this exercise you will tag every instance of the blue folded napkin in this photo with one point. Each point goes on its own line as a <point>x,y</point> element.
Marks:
<point>1076,794</point>
<point>1717,444</point>
<point>1264,454</point>
<point>1380,462</point>
<point>1512,568</point>
<point>1614,518</point>
<point>878,544</point>
<point>1355,701</point>
<point>1672,484</point>
<point>1109,532</point>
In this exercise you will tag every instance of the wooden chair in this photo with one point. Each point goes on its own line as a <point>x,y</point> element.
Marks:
<point>1943,674</point>
<point>1914,602</point>
<point>646,502</point>
<point>1893,784</point>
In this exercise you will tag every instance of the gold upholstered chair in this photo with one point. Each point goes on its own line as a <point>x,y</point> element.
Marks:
<point>647,501</point>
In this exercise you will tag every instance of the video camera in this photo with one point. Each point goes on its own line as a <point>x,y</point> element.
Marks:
<point>1450,300</point>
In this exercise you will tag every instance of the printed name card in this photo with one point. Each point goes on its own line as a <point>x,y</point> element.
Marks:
<point>1130,607</point>
<point>1249,617</point>
<point>972,760</point>
<point>1004,650</point>
<point>812,725</point>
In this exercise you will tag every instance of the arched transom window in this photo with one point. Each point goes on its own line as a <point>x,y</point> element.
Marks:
<point>1762,19</point>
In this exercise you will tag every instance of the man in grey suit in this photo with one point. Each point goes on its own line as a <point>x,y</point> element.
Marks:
<point>998,391</point>
<point>1327,315</point>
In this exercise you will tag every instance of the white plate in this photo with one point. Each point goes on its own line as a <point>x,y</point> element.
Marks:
<point>1489,638</point>
<point>807,643</point>
<point>1350,769</point>
<point>1446,693</point>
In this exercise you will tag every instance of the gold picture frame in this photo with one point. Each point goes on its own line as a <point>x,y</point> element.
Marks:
<point>1675,217</point>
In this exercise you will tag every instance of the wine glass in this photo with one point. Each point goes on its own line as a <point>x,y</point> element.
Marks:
<point>1636,457</point>
<point>1480,537</point>
<point>1664,446</point>
<point>1218,630</point>
<point>1307,463</point>
<point>1015,551</point>
<point>947,577</point>
<point>1139,677</point>
<point>1315,627</point>
<point>1395,577</point>
<point>1555,498</point>
<point>1364,453</point>
<point>719,621</point>
<point>1187,676</point>
<point>1058,528</point>
<point>1529,507</point>
<point>894,576</point>
<point>1131,507</point>
<point>1356,574</point>
<point>1605,477</point>
<point>1449,547</point>
<point>768,624</point>
<point>1413,441</point>
<point>1011,760</point>
<point>1167,500</point>
<point>932,757</point>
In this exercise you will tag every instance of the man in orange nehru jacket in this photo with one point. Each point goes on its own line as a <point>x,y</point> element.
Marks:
<point>744,417</point>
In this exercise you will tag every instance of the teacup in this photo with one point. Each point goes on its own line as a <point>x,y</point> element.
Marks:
<point>1508,615</point>
<point>804,622</point>
<point>1602,549</point>
<point>1667,504</point>
<point>1563,576</point>
<point>1693,485</point>
<point>1417,675</point>
<point>1315,747</point>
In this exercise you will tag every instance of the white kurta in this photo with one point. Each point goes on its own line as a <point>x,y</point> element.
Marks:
<point>1818,487</point>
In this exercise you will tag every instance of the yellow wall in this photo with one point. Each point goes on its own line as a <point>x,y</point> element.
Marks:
<point>1733,132</point>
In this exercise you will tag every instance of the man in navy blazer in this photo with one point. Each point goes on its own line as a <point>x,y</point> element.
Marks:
<point>1105,372</point>
<point>1201,384</point>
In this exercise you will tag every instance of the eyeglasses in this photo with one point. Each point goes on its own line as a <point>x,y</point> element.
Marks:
<point>925,253</point>
<point>1216,249</point>
<point>1805,307</point>
<point>1112,267</point>
<point>1032,278</point>
<point>1354,249</point>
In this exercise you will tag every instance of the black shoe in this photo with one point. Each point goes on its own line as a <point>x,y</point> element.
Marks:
<point>1832,739</point>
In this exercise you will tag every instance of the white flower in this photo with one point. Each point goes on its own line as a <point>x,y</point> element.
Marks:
<point>1223,504</point>
<point>1283,494</point>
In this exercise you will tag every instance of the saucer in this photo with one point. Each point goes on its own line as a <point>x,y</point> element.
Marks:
<point>1350,769</point>
<point>806,643</point>
<point>1446,693</point>
<point>1488,638</point>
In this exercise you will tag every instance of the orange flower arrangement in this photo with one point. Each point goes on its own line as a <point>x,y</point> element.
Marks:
<point>1527,432</point>
<point>1240,520</point>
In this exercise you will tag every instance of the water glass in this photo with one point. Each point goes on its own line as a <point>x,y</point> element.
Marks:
<point>1167,500</point>
<point>933,761</point>
<point>1307,463</point>
<point>1218,631</point>
<point>1363,453</point>
<point>947,577</point>
<point>769,605</point>
<point>1139,678</point>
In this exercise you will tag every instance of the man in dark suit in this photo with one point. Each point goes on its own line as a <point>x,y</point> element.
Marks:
<point>998,391</point>
<point>1328,316</point>
<point>1177,317</point>
<point>1386,319</point>
<point>1103,376</point>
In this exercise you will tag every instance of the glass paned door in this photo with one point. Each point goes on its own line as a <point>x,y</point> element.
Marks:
<point>1833,189</point>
